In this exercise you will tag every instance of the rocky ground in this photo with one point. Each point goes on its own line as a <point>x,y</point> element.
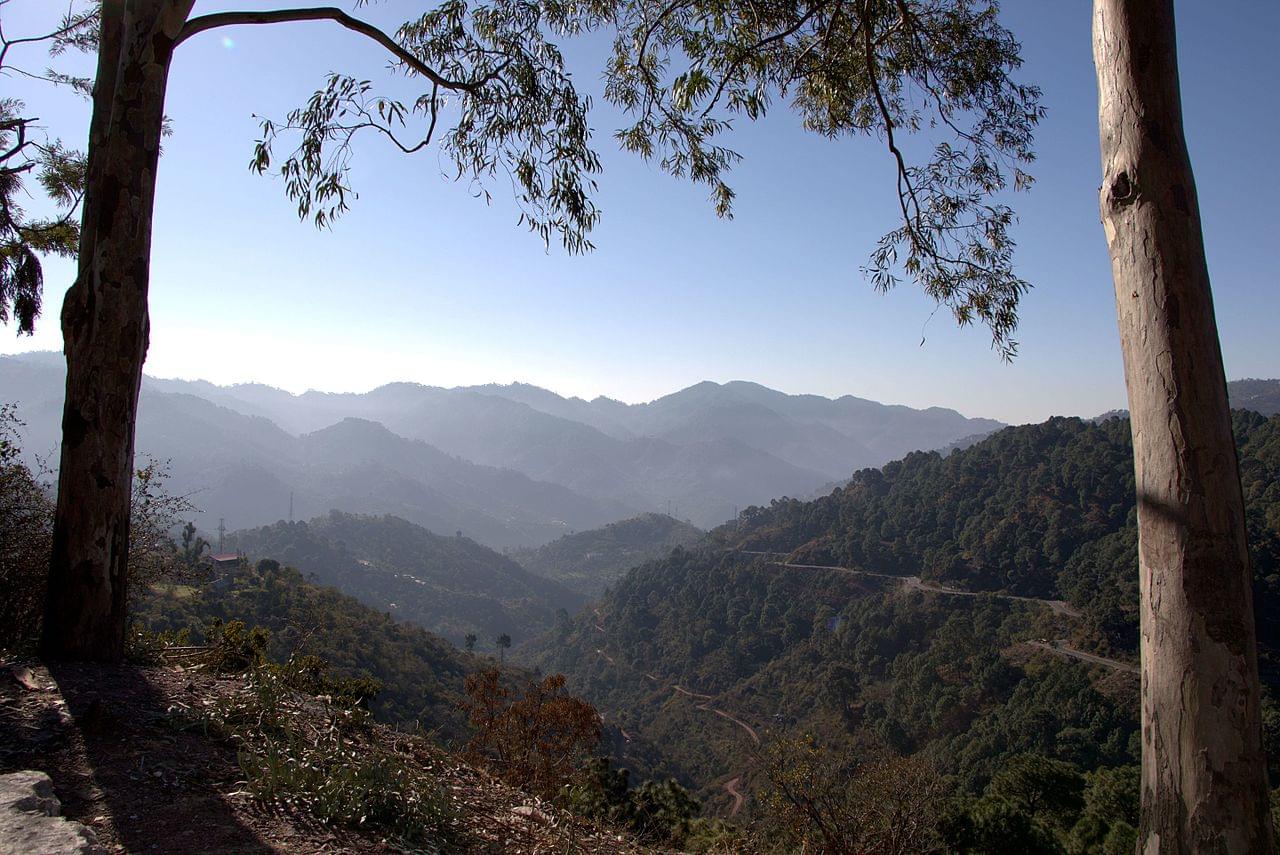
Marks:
<point>118,744</point>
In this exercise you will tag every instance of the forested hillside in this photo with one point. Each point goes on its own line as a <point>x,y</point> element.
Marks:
<point>893,653</point>
<point>450,585</point>
<point>421,674</point>
<point>590,561</point>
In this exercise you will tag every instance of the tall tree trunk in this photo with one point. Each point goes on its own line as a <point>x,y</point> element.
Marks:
<point>105,327</point>
<point>1204,783</point>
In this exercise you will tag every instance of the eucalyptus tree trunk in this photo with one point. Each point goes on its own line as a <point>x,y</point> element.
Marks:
<point>105,328</point>
<point>1204,785</point>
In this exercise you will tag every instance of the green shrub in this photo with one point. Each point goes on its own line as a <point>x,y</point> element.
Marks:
<point>233,647</point>
<point>660,813</point>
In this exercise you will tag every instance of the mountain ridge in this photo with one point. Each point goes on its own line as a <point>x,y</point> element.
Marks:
<point>707,450</point>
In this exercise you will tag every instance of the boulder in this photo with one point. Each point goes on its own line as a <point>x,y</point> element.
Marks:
<point>30,823</point>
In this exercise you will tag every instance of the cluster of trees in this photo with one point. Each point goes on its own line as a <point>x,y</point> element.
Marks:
<point>885,68</point>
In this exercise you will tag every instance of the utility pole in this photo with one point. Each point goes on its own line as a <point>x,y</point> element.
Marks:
<point>290,506</point>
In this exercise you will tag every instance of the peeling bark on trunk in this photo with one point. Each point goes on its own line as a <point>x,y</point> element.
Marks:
<point>105,328</point>
<point>1203,771</point>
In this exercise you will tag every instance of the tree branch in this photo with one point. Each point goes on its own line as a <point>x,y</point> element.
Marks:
<point>324,13</point>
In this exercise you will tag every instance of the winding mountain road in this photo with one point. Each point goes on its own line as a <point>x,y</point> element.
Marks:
<point>915,583</point>
<point>733,785</point>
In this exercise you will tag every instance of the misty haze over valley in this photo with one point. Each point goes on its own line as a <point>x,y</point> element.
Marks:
<point>507,465</point>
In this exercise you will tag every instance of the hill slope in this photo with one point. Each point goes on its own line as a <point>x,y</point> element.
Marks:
<point>449,585</point>
<point>422,674</point>
<point>590,561</point>
<point>854,617</point>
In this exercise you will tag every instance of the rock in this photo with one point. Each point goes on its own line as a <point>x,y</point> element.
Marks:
<point>25,678</point>
<point>29,820</point>
<point>531,813</point>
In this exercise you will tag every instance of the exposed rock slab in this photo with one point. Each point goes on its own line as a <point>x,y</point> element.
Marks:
<point>30,821</point>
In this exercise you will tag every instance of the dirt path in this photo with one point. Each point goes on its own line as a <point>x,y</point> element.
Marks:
<point>1060,647</point>
<point>732,787</point>
<point>739,722</point>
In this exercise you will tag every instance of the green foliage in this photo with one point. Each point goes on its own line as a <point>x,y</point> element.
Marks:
<point>233,647</point>
<point>659,812</point>
<point>1039,785</point>
<point>1039,749</point>
<point>1040,510</point>
<point>489,67</point>
<point>26,538</point>
<point>144,647</point>
<point>886,69</point>
<point>26,151</point>
<point>1036,804</point>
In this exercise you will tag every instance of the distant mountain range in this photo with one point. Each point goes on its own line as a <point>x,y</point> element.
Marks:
<point>507,465</point>
<point>1259,396</point>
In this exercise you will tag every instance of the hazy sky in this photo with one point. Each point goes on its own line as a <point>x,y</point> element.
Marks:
<point>423,282</point>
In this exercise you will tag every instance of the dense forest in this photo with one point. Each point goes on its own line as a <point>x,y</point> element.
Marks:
<point>868,664</point>
<point>450,585</point>
<point>1041,510</point>
<point>590,561</point>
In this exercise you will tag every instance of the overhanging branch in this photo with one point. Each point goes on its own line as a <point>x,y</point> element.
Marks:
<point>324,13</point>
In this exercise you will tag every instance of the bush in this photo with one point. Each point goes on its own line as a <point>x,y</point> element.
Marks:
<point>661,813</point>
<point>234,648</point>
<point>534,739</point>
<point>824,803</point>
<point>26,539</point>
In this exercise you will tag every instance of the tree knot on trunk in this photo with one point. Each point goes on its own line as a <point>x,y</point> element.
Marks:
<point>1122,192</point>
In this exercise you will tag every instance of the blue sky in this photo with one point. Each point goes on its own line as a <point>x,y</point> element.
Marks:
<point>422,282</point>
